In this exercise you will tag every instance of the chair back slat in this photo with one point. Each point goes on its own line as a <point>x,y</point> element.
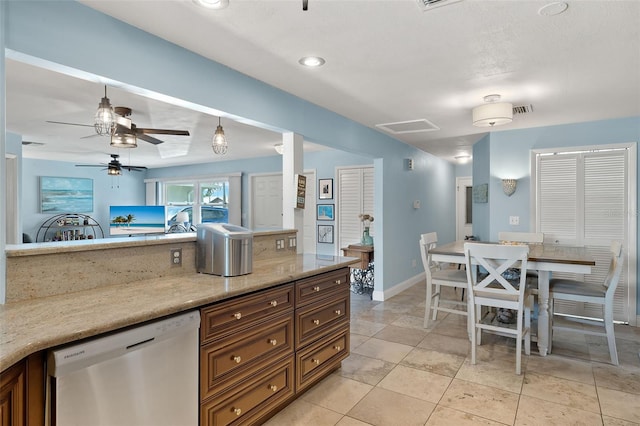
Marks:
<point>428,242</point>
<point>615,267</point>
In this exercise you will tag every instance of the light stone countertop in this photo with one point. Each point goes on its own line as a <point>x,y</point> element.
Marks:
<point>33,325</point>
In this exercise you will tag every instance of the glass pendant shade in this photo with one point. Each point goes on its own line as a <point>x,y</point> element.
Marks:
<point>114,171</point>
<point>493,114</point>
<point>105,118</point>
<point>219,143</point>
<point>124,140</point>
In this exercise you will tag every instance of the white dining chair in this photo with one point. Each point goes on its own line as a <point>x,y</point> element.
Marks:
<point>436,278</point>
<point>599,294</point>
<point>493,290</point>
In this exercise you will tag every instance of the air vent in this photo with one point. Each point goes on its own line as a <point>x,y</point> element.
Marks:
<point>412,126</point>
<point>522,109</point>
<point>432,4</point>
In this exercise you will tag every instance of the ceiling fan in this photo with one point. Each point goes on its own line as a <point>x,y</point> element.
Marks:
<point>114,167</point>
<point>126,126</point>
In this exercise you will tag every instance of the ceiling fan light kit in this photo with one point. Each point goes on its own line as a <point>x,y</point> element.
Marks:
<point>492,113</point>
<point>219,142</point>
<point>124,140</point>
<point>105,118</point>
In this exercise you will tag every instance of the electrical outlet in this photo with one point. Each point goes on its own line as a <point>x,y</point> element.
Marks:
<point>176,256</point>
<point>280,244</point>
<point>514,220</point>
<point>292,242</point>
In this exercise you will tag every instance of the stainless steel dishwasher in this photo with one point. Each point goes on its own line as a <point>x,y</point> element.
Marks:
<point>147,375</point>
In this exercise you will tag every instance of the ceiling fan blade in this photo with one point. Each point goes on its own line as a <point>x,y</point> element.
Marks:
<point>91,136</point>
<point>162,132</point>
<point>70,124</point>
<point>149,139</point>
<point>134,168</point>
<point>90,165</point>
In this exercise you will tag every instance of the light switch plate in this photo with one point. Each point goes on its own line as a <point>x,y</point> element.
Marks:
<point>514,220</point>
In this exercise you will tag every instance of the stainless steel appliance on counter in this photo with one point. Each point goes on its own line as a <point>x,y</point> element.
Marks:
<point>147,375</point>
<point>224,249</point>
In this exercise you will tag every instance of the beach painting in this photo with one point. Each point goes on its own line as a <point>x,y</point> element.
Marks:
<point>66,195</point>
<point>129,220</point>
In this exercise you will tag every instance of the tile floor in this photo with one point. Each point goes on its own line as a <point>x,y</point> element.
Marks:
<point>401,374</point>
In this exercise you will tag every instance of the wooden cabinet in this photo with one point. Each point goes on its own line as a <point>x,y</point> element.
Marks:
<point>12,396</point>
<point>259,351</point>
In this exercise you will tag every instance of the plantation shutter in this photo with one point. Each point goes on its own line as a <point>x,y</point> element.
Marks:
<point>581,200</point>
<point>355,196</point>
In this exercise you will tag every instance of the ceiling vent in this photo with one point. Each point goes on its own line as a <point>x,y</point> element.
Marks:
<point>433,4</point>
<point>522,109</point>
<point>412,126</point>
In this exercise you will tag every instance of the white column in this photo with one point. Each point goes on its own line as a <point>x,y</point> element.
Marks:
<point>292,164</point>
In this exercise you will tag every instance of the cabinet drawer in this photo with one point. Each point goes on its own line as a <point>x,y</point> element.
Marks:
<point>315,320</point>
<point>244,353</point>
<point>321,357</point>
<point>228,317</point>
<point>316,288</point>
<point>250,401</point>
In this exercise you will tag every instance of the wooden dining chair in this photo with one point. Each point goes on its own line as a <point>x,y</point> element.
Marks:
<point>599,294</point>
<point>493,290</point>
<point>436,278</point>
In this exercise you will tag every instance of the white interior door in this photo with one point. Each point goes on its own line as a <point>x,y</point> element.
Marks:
<point>266,201</point>
<point>464,207</point>
<point>355,197</point>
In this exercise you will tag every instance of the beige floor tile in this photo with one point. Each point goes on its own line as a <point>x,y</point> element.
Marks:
<point>617,378</point>
<point>408,321</point>
<point>621,405</point>
<point>356,340</point>
<point>350,421</point>
<point>386,408</point>
<point>433,361</point>
<point>566,368</point>
<point>499,373</point>
<point>372,315</point>
<point>443,416</point>
<point>301,412</point>
<point>381,349</point>
<point>484,401</point>
<point>611,421</point>
<point>562,391</point>
<point>394,307</point>
<point>337,393</point>
<point>416,383</point>
<point>534,411</point>
<point>366,328</point>
<point>365,369</point>
<point>406,336</point>
<point>447,344</point>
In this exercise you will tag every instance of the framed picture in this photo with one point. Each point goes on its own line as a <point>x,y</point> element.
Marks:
<point>481,193</point>
<point>326,212</point>
<point>66,195</point>
<point>325,189</point>
<point>325,234</point>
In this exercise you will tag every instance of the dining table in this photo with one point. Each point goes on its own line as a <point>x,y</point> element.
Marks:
<point>545,258</point>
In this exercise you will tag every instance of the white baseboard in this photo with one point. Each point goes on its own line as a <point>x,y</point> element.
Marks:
<point>381,296</point>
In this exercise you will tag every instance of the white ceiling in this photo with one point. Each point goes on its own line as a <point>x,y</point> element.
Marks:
<point>386,61</point>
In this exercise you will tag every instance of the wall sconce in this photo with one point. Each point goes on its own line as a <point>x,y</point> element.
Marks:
<point>509,186</point>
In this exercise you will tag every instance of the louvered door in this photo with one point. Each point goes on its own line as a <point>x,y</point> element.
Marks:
<point>355,196</point>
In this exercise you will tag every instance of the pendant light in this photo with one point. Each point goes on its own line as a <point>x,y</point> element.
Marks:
<point>493,112</point>
<point>219,143</point>
<point>105,119</point>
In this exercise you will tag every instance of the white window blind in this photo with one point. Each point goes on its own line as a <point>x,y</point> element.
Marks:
<point>355,196</point>
<point>581,199</point>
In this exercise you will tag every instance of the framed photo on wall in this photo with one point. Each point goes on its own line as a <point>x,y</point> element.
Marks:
<point>66,195</point>
<point>325,234</point>
<point>326,212</point>
<point>325,189</point>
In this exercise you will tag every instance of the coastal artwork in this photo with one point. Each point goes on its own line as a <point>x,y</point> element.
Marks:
<point>66,195</point>
<point>129,220</point>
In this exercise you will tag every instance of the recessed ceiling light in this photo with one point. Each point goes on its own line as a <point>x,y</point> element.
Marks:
<point>552,9</point>
<point>311,61</point>
<point>212,4</point>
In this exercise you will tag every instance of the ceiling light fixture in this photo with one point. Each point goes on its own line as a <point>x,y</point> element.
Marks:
<point>219,142</point>
<point>105,119</point>
<point>463,158</point>
<point>212,4</point>
<point>124,140</point>
<point>553,9</point>
<point>312,61</point>
<point>114,170</point>
<point>493,112</point>
<point>279,148</point>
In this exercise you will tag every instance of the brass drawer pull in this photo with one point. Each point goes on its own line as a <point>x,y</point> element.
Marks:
<point>315,361</point>
<point>274,388</point>
<point>274,303</point>
<point>273,342</point>
<point>316,322</point>
<point>237,411</point>
<point>338,282</point>
<point>237,315</point>
<point>316,288</point>
<point>337,347</point>
<point>237,359</point>
<point>338,311</point>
